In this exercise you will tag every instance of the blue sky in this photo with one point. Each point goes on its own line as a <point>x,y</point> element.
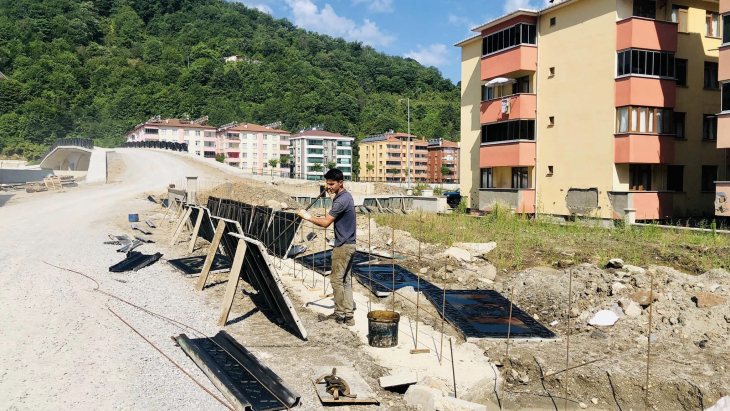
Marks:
<point>424,30</point>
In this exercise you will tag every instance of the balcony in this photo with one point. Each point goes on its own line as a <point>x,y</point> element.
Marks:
<point>722,193</point>
<point>520,58</point>
<point>642,205</point>
<point>521,106</point>
<point>507,154</point>
<point>645,91</point>
<point>723,130</point>
<point>521,200</point>
<point>643,149</point>
<point>723,72</point>
<point>641,33</point>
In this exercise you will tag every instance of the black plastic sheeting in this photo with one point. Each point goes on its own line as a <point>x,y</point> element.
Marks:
<point>264,278</point>
<point>260,222</point>
<point>135,261</point>
<point>207,230</point>
<point>194,265</point>
<point>232,210</point>
<point>280,234</point>
<point>321,262</point>
<point>254,385</point>
<point>379,278</point>
<point>485,314</point>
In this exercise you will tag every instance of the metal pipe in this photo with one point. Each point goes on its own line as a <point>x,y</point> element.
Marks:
<point>648,342</point>
<point>567,336</point>
<point>453,369</point>
<point>507,361</point>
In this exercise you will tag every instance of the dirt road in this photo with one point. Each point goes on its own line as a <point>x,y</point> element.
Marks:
<point>61,347</point>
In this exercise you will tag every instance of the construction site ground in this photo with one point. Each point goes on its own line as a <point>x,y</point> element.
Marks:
<point>64,349</point>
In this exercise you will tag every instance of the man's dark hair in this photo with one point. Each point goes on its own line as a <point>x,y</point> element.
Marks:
<point>334,174</point>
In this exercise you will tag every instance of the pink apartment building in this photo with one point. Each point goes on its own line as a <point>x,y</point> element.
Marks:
<point>200,137</point>
<point>251,146</point>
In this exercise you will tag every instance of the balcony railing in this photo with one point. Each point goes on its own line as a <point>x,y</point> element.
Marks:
<point>522,58</point>
<point>641,33</point>
<point>507,154</point>
<point>644,149</point>
<point>521,106</point>
<point>642,205</point>
<point>521,200</point>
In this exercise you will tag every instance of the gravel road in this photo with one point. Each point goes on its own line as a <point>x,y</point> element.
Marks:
<point>61,347</point>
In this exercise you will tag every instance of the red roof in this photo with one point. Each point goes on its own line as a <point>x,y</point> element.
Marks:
<point>174,122</point>
<point>256,128</point>
<point>319,133</point>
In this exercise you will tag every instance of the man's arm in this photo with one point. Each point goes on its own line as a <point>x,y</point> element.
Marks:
<point>322,221</point>
<point>328,219</point>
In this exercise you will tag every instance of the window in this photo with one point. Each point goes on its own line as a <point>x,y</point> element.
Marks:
<point>266,146</point>
<point>709,176</point>
<point>197,153</point>
<point>680,71</point>
<point>712,24</point>
<point>675,178</point>
<point>344,152</point>
<point>711,76</point>
<point>151,131</point>
<point>344,144</point>
<point>520,33</point>
<point>522,85</point>
<point>508,130</point>
<point>640,177</point>
<point>245,163</point>
<point>197,143</point>
<point>255,145</point>
<point>679,125</point>
<point>487,180</point>
<point>244,145</point>
<point>709,127</point>
<point>550,170</point>
<point>266,155</point>
<point>255,164</point>
<point>552,72</point>
<point>197,133</point>
<point>645,62</point>
<point>266,137</point>
<point>552,120</point>
<point>244,155</point>
<point>632,119</point>
<point>725,96</point>
<point>186,133</point>
<point>209,134</point>
<point>726,29</point>
<point>552,21</point>
<point>519,177</point>
<point>645,8</point>
<point>679,15</point>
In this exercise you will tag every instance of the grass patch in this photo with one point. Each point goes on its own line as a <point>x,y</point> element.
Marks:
<point>524,242</point>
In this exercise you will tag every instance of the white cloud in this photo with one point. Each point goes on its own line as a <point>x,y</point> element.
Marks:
<point>264,8</point>
<point>380,6</point>
<point>309,16</point>
<point>512,5</point>
<point>433,55</point>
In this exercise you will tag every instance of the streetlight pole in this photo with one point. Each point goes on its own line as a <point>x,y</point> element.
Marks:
<point>408,144</point>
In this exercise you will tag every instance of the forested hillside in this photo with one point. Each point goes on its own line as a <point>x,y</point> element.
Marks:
<point>94,69</point>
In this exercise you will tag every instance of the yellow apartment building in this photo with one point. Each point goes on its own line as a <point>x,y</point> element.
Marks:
<point>604,108</point>
<point>384,157</point>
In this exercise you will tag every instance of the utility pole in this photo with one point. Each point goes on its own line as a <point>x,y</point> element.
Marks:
<point>408,142</point>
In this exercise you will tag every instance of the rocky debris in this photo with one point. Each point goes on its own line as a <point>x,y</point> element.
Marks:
<point>594,400</point>
<point>631,308</point>
<point>424,270</point>
<point>705,300</point>
<point>633,270</point>
<point>616,288</point>
<point>422,397</point>
<point>477,249</point>
<point>644,298</point>
<point>458,254</point>
<point>482,392</point>
<point>618,310</point>
<point>598,334</point>
<point>274,205</point>
<point>488,272</point>
<point>722,405</point>
<point>582,405</point>
<point>435,383</point>
<point>615,263</point>
<point>717,275</point>
<point>398,380</point>
<point>715,288</point>
<point>604,318</point>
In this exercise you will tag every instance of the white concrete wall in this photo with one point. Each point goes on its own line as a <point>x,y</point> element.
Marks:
<point>97,166</point>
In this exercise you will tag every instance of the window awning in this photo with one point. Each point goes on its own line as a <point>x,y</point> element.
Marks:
<point>500,81</point>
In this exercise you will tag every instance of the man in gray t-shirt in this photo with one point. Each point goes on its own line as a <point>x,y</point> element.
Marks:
<point>343,215</point>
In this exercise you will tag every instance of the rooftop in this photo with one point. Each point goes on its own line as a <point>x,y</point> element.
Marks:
<point>256,128</point>
<point>174,122</point>
<point>319,133</point>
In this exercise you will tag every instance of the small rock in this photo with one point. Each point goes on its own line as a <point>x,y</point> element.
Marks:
<point>489,272</point>
<point>633,309</point>
<point>424,270</point>
<point>604,318</point>
<point>618,310</point>
<point>727,318</point>
<point>458,253</point>
<point>515,374</point>
<point>582,405</point>
<point>705,300</point>
<point>554,323</point>
<point>274,205</point>
<point>641,340</point>
<point>715,288</point>
<point>536,317</point>
<point>486,281</point>
<point>460,279</point>
<point>574,312</point>
<point>594,401</point>
<point>644,298</point>
<point>449,268</point>
<point>633,270</point>
<point>615,263</point>
<point>652,338</point>
<point>673,320</point>
<point>617,288</point>
<point>703,343</point>
<point>478,249</point>
<point>398,380</point>
<point>598,334</point>
<point>422,396</point>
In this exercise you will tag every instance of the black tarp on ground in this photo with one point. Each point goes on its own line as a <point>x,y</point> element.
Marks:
<point>260,222</point>
<point>264,278</point>
<point>280,234</point>
<point>134,261</point>
<point>485,314</point>
<point>379,278</point>
<point>254,386</point>
<point>321,262</point>
<point>194,265</point>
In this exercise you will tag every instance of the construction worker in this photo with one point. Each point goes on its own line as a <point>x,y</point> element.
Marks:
<point>343,215</point>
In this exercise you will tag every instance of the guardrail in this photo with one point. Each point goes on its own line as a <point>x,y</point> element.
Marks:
<point>69,142</point>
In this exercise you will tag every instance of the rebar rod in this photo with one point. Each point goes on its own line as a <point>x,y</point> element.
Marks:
<point>509,331</point>
<point>567,335</point>
<point>648,342</point>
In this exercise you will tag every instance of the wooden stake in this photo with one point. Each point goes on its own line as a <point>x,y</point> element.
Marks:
<point>180,226</point>
<point>232,283</point>
<point>211,255</point>
<point>453,367</point>
<point>196,229</point>
<point>567,336</point>
<point>443,317</point>
<point>648,343</point>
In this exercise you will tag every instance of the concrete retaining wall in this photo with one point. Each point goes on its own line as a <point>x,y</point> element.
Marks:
<point>98,166</point>
<point>430,204</point>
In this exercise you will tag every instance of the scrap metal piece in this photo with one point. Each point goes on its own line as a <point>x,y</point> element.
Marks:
<point>133,218</point>
<point>245,382</point>
<point>143,239</point>
<point>129,246</point>
<point>355,382</point>
<point>335,385</point>
<point>122,237</point>
<point>152,199</point>
<point>134,262</point>
<point>150,223</point>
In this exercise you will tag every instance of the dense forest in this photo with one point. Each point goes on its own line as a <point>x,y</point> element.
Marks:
<point>94,69</point>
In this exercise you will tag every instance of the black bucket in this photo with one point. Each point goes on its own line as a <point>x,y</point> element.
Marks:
<point>383,328</point>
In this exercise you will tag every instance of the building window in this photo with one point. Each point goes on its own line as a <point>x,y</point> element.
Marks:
<point>520,33</point>
<point>266,155</point>
<point>344,152</point>
<point>550,170</point>
<point>519,177</point>
<point>508,130</point>
<point>726,29</point>
<point>645,8</point>
<point>244,164</point>
<point>487,180</point>
<point>266,137</point>
<point>712,24</point>
<point>197,133</point>
<point>552,21</point>
<point>675,178</point>
<point>186,133</point>
<point>679,15</point>
<point>709,176</point>
<point>197,143</point>
<point>266,146</point>
<point>521,85</point>
<point>709,127</point>
<point>197,153</point>
<point>632,119</point>
<point>725,97</point>
<point>244,155</point>
<point>551,120</point>
<point>640,177</point>
<point>487,93</point>
<point>711,76</point>
<point>209,134</point>
<point>552,72</point>
<point>680,71</point>
<point>645,62</point>
<point>151,131</point>
<point>255,145</point>
<point>679,124</point>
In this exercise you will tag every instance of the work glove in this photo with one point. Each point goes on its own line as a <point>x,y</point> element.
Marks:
<point>304,214</point>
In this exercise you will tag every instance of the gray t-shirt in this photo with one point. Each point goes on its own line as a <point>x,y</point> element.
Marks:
<point>343,210</point>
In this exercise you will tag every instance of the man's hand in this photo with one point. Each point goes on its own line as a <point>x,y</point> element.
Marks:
<point>304,214</point>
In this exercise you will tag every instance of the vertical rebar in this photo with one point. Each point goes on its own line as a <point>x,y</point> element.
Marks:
<point>370,274</point>
<point>648,342</point>
<point>507,361</point>
<point>418,276</point>
<point>392,256</point>
<point>567,334</point>
<point>443,317</point>
<point>453,366</point>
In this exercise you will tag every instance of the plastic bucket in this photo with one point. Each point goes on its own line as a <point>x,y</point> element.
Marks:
<point>383,328</point>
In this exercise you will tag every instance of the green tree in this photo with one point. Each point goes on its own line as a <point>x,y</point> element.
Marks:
<point>370,168</point>
<point>445,171</point>
<point>331,165</point>
<point>273,163</point>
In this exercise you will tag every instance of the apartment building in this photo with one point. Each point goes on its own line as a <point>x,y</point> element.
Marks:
<point>722,205</point>
<point>313,149</point>
<point>604,108</point>
<point>384,157</point>
<point>251,146</point>
<point>443,153</point>
<point>199,136</point>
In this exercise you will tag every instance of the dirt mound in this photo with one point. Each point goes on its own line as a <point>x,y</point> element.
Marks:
<point>250,192</point>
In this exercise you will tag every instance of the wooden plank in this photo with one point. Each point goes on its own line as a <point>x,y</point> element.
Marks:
<point>180,226</point>
<point>232,283</point>
<point>216,375</point>
<point>196,229</point>
<point>357,385</point>
<point>211,255</point>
